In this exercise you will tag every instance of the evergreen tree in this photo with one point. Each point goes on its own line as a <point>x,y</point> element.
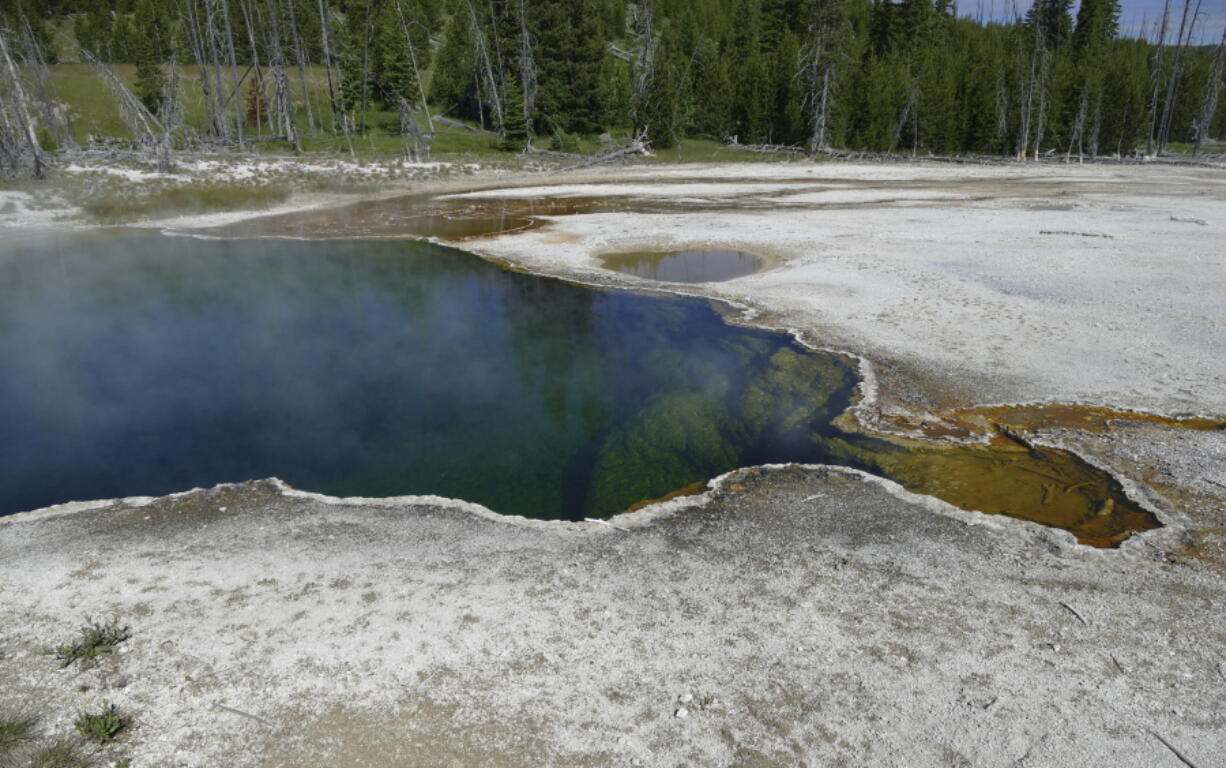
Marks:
<point>570,56</point>
<point>392,73</point>
<point>515,122</point>
<point>453,71</point>
<point>147,52</point>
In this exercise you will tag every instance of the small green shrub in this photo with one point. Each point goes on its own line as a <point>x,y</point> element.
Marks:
<point>96,638</point>
<point>101,726</point>
<point>14,730</point>
<point>566,142</point>
<point>61,753</point>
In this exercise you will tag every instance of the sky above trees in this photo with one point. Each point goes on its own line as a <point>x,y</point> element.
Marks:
<point>1138,18</point>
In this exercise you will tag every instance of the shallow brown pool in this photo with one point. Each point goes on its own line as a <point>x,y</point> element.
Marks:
<point>693,266</point>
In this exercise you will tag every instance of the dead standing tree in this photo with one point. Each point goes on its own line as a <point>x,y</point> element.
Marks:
<point>485,63</point>
<point>421,88</point>
<point>642,23</point>
<point>210,38</point>
<point>527,64</point>
<point>1168,104</point>
<point>1213,87</point>
<point>302,61</point>
<point>284,99</point>
<point>150,135</point>
<point>818,69</point>
<point>1156,78</point>
<point>20,151</point>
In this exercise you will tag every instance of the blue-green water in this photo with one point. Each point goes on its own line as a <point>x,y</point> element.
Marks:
<point>137,364</point>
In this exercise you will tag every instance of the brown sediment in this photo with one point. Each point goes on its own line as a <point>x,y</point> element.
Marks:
<point>1007,476</point>
<point>693,489</point>
<point>427,216</point>
<point>971,423</point>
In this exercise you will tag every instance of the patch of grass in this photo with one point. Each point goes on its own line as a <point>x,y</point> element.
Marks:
<point>96,638</point>
<point>186,199</point>
<point>15,730</point>
<point>62,753</point>
<point>101,726</point>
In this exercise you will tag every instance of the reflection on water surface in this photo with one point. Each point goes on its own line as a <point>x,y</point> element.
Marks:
<point>692,266</point>
<point>134,364</point>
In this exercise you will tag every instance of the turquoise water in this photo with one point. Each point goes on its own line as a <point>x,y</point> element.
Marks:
<point>138,364</point>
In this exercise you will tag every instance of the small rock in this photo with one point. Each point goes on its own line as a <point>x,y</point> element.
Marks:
<point>681,712</point>
<point>686,698</point>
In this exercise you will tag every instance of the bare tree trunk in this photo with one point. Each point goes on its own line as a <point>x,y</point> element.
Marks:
<point>817,70</point>
<point>151,135</point>
<point>199,40</point>
<point>283,95</point>
<point>1027,108</point>
<point>233,61</point>
<point>365,68</point>
<point>905,116</point>
<point>300,58</point>
<point>1156,77</point>
<point>325,32</point>
<point>643,22</point>
<point>1213,86</point>
<point>245,7</point>
<point>1079,124</point>
<point>421,89</point>
<point>21,109</point>
<point>1041,117</point>
<point>416,147</point>
<point>1168,106</point>
<point>1096,123</point>
<point>1002,110</point>
<point>487,66</point>
<point>527,66</point>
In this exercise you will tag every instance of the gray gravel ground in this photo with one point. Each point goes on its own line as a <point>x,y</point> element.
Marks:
<point>801,617</point>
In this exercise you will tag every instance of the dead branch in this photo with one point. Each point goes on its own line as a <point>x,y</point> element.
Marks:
<point>618,53</point>
<point>1075,234</point>
<point>531,150</point>
<point>241,713</point>
<point>640,146</point>
<point>1174,751</point>
<point>769,149</point>
<point>1074,611</point>
<point>1183,220</point>
<point>457,124</point>
<point>606,523</point>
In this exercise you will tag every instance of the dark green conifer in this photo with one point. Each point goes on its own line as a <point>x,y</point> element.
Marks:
<point>147,53</point>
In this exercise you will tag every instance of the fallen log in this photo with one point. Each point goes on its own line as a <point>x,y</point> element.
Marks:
<point>640,146</point>
<point>464,126</point>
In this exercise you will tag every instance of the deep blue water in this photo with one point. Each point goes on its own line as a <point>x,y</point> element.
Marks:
<point>138,364</point>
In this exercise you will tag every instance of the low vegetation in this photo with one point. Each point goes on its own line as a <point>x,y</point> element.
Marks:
<point>15,730</point>
<point>94,639</point>
<point>183,199</point>
<point>60,753</point>
<point>102,726</point>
